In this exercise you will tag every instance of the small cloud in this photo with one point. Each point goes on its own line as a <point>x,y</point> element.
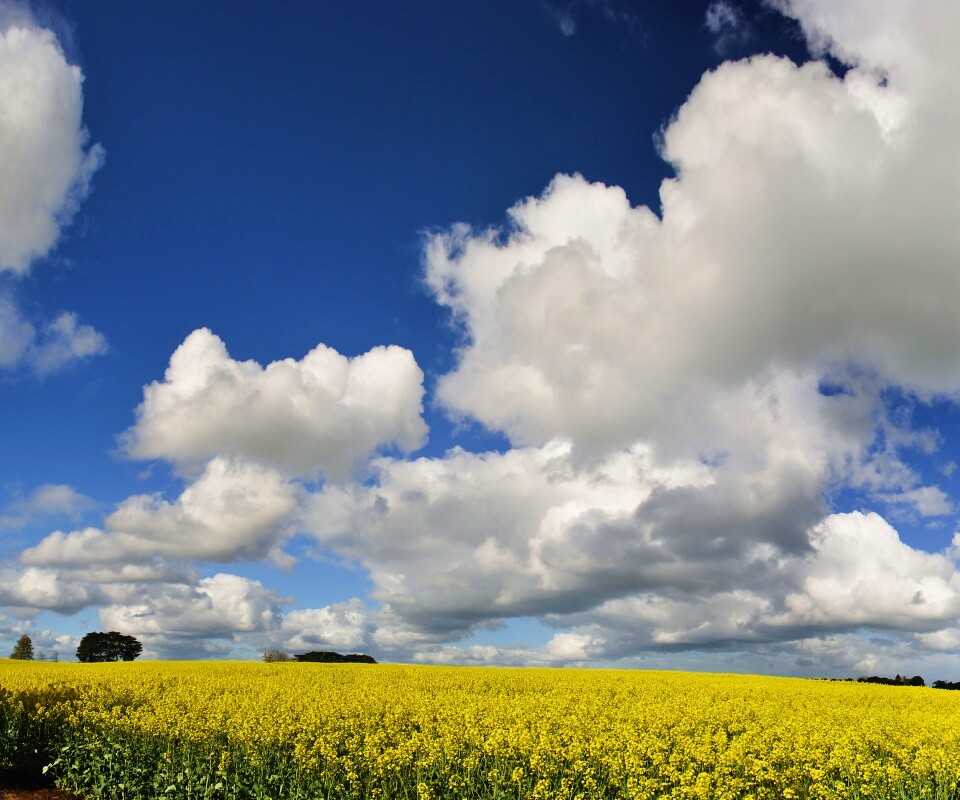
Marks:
<point>64,340</point>
<point>49,348</point>
<point>927,501</point>
<point>728,25</point>
<point>949,468</point>
<point>565,14</point>
<point>568,25</point>
<point>47,501</point>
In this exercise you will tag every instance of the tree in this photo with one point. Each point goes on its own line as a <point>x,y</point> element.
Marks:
<point>112,646</point>
<point>275,656</point>
<point>23,649</point>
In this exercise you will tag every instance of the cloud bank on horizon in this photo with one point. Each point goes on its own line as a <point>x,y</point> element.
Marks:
<point>682,390</point>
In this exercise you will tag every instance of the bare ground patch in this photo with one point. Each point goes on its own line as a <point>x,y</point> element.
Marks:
<point>19,784</point>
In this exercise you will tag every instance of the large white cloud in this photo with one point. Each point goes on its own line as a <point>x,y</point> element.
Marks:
<point>45,161</point>
<point>630,554</point>
<point>811,223</point>
<point>320,414</point>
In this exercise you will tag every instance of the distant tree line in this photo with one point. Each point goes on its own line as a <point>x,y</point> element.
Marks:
<point>946,685</point>
<point>319,657</point>
<point>328,657</point>
<point>900,680</point>
<point>903,680</point>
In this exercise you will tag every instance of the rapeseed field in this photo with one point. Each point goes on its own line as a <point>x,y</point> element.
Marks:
<point>252,730</point>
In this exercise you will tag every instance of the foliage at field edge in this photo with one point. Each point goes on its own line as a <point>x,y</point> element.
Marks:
<point>254,730</point>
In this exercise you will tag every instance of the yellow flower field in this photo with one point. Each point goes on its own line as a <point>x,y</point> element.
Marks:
<point>252,730</point>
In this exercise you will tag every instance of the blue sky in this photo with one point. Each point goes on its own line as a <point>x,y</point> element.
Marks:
<point>634,329</point>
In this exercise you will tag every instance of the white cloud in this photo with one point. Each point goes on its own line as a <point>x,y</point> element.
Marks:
<point>233,510</point>
<point>320,414</point>
<point>858,575</point>
<point>341,627</point>
<point>697,341</point>
<point>45,161</point>
<point>783,243</point>
<point>863,574</point>
<point>455,542</point>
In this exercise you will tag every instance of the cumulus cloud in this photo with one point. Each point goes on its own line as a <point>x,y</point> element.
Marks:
<point>46,162</point>
<point>862,574</point>
<point>233,510</point>
<point>317,415</point>
<point>783,242</point>
<point>534,530</point>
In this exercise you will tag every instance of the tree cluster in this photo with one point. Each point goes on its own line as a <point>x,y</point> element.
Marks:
<point>946,685</point>
<point>112,646</point>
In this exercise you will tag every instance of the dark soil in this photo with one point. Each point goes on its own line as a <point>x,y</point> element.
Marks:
<point>18,784</point>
